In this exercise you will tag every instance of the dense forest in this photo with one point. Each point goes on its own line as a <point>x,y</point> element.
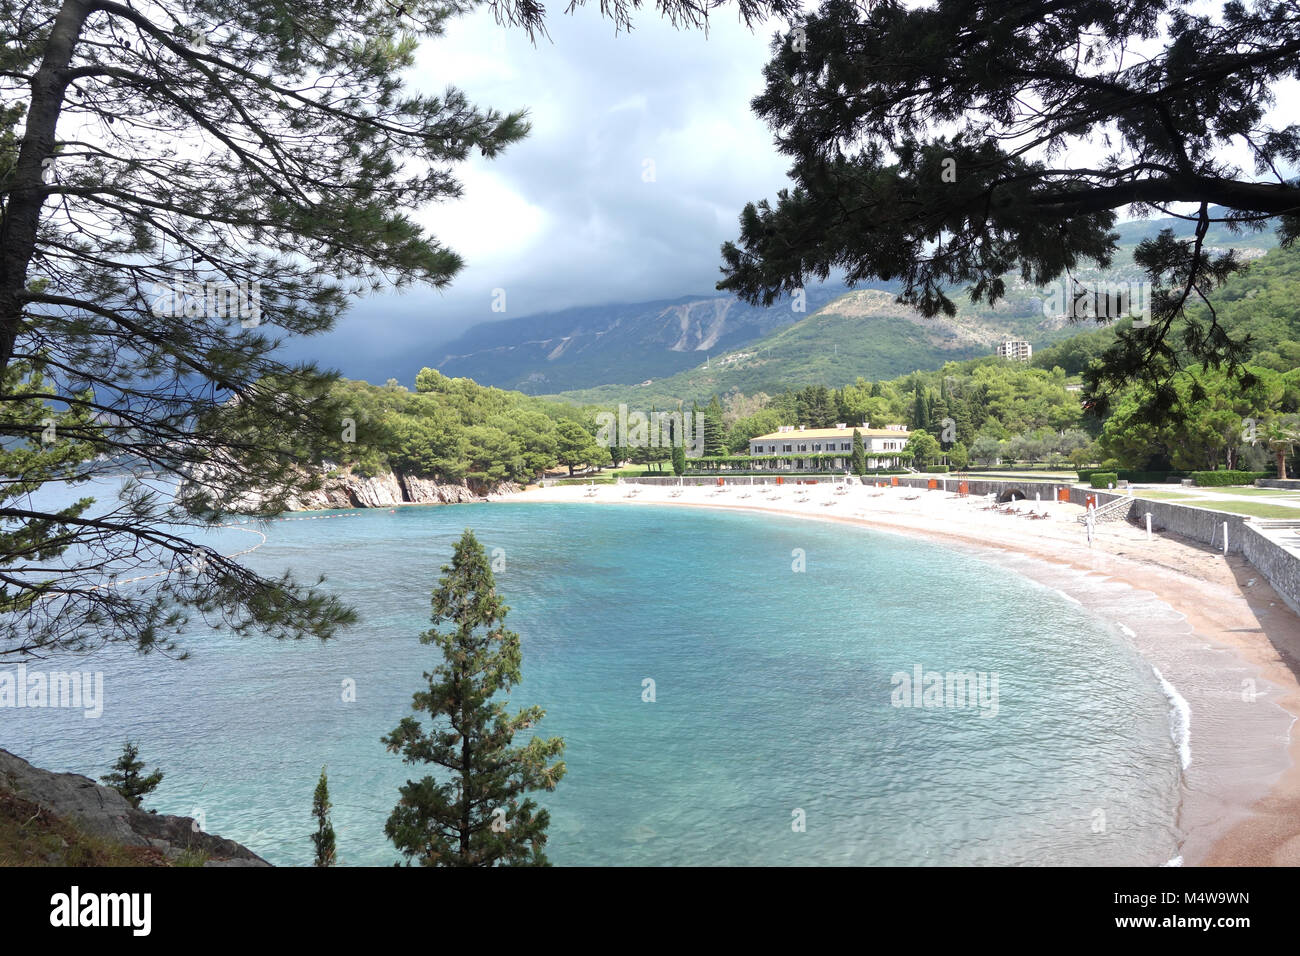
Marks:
<point>454,430</point>
<point>979,412</point>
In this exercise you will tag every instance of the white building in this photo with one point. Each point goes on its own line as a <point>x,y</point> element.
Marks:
<point>804,449</point>
<point>1015,349</point>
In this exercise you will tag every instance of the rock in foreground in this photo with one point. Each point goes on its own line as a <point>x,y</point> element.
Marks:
<point>65,819</point>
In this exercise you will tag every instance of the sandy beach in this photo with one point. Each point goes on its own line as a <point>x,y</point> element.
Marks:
<point>1226,647</point>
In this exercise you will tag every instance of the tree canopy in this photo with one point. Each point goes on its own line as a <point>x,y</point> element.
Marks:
<point>477,812</point>
<point>965,144</point>
<point>192,184</point>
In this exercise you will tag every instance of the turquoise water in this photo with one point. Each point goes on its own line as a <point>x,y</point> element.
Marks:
<point>773,694</point>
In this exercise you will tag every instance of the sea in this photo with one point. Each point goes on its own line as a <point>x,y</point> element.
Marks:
<point>732,688</point>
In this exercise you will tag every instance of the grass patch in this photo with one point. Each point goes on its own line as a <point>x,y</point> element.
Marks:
<point>1256,509</point>
<point>1164,495</point>
<point>191,858</point>
<point>32,836</point>
<point>1258,492</point>
<point>639,471</point>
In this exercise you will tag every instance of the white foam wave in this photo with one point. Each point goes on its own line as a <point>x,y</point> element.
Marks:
<point>1180,719</point>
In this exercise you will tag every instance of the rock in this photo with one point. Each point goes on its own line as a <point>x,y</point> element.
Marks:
<point>381,491</point>
<point>342,489</point>
<point>105,813</point>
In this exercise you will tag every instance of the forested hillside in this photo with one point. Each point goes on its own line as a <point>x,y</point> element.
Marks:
<point>452,429</point>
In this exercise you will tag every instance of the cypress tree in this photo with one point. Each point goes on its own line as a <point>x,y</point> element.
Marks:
<point>859,454</point>
<point>323,838</point>
<point>919,419</point>
<point>477,813</point>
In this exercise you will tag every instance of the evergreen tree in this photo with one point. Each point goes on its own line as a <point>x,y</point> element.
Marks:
<point>657,455</point>
<point>323,838</point>
<point>938,413</point>
<point>919,419</point>
<point>961,414</point>
<point>127,779</point>
<point>859,454</point>
<point>885,183</point>
<point>478,814</point>
<point>677,449</point>
<point>715,432</point>
<point>234,206</point>
<point>577,446</point>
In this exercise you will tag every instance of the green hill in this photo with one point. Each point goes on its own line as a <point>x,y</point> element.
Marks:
<point>866,334</point>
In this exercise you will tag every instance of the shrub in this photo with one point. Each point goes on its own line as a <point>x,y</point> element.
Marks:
<point>1215,479</point>
<point>937,469</point>
<point>1128,474</point>
<point>1103,479</point>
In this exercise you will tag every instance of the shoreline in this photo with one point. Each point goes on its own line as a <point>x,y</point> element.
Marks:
<point>1210,628</point>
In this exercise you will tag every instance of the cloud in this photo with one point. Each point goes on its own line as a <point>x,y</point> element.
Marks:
<point>642,153</point>
<point>567,216</point>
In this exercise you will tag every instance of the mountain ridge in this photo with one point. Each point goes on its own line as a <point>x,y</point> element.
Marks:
<point>619,345</point>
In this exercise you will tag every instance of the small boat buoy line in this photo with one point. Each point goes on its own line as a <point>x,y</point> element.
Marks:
<point>158,574</point>
<point>350,514</point>
<point>236,526</point>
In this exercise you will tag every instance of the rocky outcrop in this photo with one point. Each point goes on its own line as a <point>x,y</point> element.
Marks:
<point>103,812</point>
<point>379,491</point>
<point>390,488</point>
<point>340,488</point>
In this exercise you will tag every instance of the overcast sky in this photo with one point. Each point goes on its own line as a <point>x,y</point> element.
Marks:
<point>566,217</point>
<point>642,153</point>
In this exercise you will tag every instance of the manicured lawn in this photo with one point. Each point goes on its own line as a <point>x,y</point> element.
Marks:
<point>1256,492</point>
<point>1163,495</point>
<point>1256,509</point>
<point>638,471</point>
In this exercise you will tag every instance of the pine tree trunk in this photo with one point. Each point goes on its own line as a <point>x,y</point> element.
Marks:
<point>26,193</point>
<point>464,785</point>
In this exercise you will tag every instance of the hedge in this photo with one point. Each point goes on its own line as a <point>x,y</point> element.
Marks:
<point>1143,477</point>
<point>937,470</point>
<point>1214,479</point>
<point>775,473</point>
<point>1103,479</point>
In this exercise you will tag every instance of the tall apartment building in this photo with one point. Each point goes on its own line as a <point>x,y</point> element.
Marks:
<point>1013,349</point>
